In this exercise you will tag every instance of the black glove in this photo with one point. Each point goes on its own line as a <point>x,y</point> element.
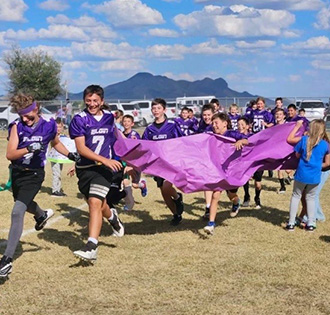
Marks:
<point>35,147</point>
<point>74,156</point>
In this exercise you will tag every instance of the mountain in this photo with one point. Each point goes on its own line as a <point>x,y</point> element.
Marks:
<point>145,85</point>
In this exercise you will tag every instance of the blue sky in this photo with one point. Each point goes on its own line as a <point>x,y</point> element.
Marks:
<point>270,48</point>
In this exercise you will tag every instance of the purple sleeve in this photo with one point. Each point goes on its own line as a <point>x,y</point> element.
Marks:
<point>136,134</point>
<point>269,118</point>
<point>178,132</point>
<point>77,127</point>
<point>145,135</point>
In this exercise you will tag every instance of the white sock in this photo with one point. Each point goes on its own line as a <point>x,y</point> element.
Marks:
<point>111,217</point>
<point>93,240</point>
<point>208,205</point>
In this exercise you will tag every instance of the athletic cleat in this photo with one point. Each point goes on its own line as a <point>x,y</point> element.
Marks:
<point>290,227</point>
<point>88,252</point>
<point>58,194</point>
<point>258,204</point>
<point>310,228</point>
<point>176,220</point>
<point>287,180</point>
<point>246,203</point>
<point>282,190</point>
<point>116,224</point>
<point>235,209</point>
<point>41,222</point>
<point>6,266</point>
<point>179,205</point>
<point>144,190</point>
<point>209,229</point>
<point>206,215</point>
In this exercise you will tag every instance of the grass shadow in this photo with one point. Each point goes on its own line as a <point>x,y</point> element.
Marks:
<point>325,238</point>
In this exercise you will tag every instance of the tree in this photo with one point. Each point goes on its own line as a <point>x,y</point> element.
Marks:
<point>34,73</point>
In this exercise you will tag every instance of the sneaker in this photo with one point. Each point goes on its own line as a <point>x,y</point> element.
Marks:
<point>258,204</point>
<point>310,228</point>
<point>290,227</point>
<point>235,209</point>
<point>126,208</point>
<point>282,190</point>
<point>246,203</point>
<point>179,204</point>
<point>58,194</point>
<point>41,222</point>
<point>209,229</point>
<point>206,215</point>
<point>116,224</point>
<point>287,180</point>
<point>176,220</point>
<point>88,252</point>
<point>144,190</point>
<point>6,266</point>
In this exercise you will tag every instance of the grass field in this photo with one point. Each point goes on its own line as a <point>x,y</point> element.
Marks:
<point>250,266</point>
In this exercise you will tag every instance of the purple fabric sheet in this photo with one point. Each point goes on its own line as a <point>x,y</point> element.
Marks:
<point>208,161</point>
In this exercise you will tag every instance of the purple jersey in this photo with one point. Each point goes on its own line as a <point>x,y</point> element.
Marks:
<point>258,117</point>
<point>132,135</point>
<point>203,127</point>
<point>44,132</point>
<point>187,126</point>
<point>234,119</point>
<point>235,135</point>
<point>99,135</point>
<point>273,111</point>
<point>168,130</point>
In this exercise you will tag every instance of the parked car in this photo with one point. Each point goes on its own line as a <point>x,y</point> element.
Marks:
<point>314,109</point>
<point>194,102</point>
<point>7,116</point>
<point>128,109</point>
<point>145,106</point>
<point>172,110</point>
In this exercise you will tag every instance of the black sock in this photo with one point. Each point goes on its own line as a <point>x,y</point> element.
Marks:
<point>282,182</point>
<point>258,193</point>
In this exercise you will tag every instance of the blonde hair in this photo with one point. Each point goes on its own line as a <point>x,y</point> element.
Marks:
<point>21,101</point>
<point>233,106</point>
<point>316,133</point>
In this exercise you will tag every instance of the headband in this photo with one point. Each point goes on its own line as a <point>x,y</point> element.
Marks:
<point>28,109</point>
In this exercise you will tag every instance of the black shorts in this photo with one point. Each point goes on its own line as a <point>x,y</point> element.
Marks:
<point>257,176</point>
<point>95,181</point>
<point>159,181</point>
<point>234,191</point>
<point>26,183</point>
<point>115,193</point>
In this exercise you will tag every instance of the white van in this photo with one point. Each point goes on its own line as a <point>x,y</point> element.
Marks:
<point>148,118</point>
<point>128,109</point>
<point>314,109</point>
<point>194,102</point>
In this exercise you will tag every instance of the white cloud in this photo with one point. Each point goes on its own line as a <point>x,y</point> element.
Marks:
<point>235,21</point>
<point>63,32</point>
<point>60,52</point>
<point>127,13</point>
<point>121,65</point>
<point>260,44</point>
<point>240,77</point>
<point>54,5</point>
<point>73,65</point>
<point>321,64</point>
<point>294,77</point>
<point>323,19</point>
<point>172,52</point>
<point>274,4</point>
<point>312,44</point>
<point>162,32</point>
<point>88,24</point>
<point>12,10</point>
<point>212,47</point>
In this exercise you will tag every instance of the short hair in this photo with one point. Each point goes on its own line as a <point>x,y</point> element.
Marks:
<point>190,110</point>
<point>251,103</point>
<point>279,99</point>
<point>160,101</point>
<point>185,108</point>
<point>128,117</point>
<point>280,110</point>
<point>302,110</point>
<point>244,119</point>
<point>94,89</point>
<point>119,113</point>
<point>207,107</point>
<point>233,106</point>
<point>214,101</point>
<point>260,99</point>
<point>292,106</point>
<point>59,121</point>
<point>222,117</point>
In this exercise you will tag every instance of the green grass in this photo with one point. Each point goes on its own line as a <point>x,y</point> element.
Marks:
<point>250,266</point>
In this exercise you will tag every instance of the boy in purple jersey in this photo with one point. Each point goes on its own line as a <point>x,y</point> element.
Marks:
<point>28,139</point>
<point>278,105</point>
<point>193,118</point>
<point>293,116</point>
<point>93,132</point>
<point>233,116</point>
<point>217,108</point>
<point>221,125</point>
<point>128,124</point>
<point>205,125</point>
<point>162,129</point>
<point>260,119</point>
<point>187,125</point>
